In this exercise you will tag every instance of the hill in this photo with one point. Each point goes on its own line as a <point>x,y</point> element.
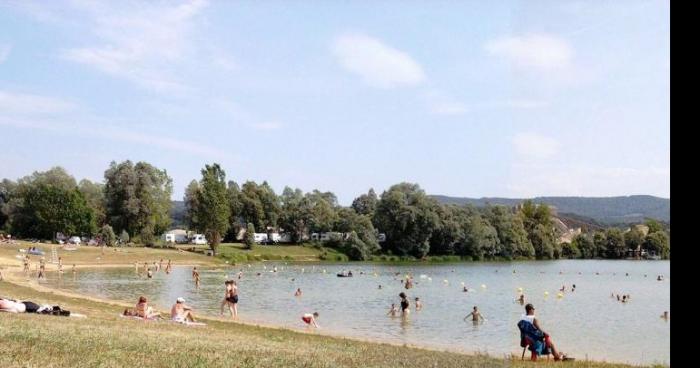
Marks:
<point>602,210</point>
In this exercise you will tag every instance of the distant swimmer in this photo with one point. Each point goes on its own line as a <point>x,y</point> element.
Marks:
<point>419,304</point>
<point>521,299</point>
<point>298,292</point>
<point>195,275</point>
<point>149,274</point>
<point>475,314</point>
<point>464,289</point>
<point>573,288</point>
<point>665,316</point>
<point>380,287</point>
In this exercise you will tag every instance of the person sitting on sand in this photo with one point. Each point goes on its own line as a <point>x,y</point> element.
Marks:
<point>310,319</point>
<point>180,312</point>
<point>529,316</point>
<point>475,314</point>
<point>143,310</point>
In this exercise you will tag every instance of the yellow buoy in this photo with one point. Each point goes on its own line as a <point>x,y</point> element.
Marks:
<point>445,281</point>
<point>546,293</point>
<point>560,295</point>
<point>483,286</point>
<point>520,289</point>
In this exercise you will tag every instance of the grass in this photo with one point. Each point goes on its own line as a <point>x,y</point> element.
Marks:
<point>106,340</point>
<point>236,252</point>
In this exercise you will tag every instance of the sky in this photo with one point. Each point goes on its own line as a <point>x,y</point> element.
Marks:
<point>469,98</point>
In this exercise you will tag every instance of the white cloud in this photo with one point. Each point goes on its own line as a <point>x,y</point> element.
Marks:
<point>4,52</point>
<point>535,146</point>
<point>377,64</point>
<point>538,51</point>
<point>22,104</point>
<point>139,42</point>
<point>441,104</point>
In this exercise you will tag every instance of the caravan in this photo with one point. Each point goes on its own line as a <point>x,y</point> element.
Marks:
<point>199,239</point>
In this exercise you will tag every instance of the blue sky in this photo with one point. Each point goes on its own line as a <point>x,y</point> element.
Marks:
<point>471,98</point>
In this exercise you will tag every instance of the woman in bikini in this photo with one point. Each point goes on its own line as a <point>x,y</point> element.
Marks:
<point>310,319</point>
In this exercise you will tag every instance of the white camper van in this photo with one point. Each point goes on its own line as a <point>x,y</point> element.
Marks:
<point>199,239</point>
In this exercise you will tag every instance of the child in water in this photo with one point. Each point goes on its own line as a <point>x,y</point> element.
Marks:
<point>393,311</point>
<point>419,304</point>
<point>298,292</point>
<point>310,319</point>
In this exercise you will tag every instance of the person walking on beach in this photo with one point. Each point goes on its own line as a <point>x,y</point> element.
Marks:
<point>60,265</point>
<point>405,305</point>
<point>475,314</point>
<point>42,268</point>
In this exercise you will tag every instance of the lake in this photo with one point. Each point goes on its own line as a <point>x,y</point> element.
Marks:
<point>586,323</point>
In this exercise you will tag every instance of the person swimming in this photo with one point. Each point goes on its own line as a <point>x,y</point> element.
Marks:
<point>419,304</point>
<point>665,316</point>
<point>521,299</point>
<point>298,292</point>
<point>464,289</point>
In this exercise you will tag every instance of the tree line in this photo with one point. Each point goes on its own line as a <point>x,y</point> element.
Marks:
<point>134,202</point>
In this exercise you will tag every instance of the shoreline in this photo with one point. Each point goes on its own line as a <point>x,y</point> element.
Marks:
<point>15,275</point>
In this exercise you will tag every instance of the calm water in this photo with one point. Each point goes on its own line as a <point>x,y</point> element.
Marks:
<point>585,323</point>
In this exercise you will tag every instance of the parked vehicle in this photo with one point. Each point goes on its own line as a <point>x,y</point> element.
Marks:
<point>199,239</point>
<point>74,240</point>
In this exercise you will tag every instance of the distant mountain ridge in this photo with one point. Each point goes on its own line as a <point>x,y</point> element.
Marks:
<point>604,210</point>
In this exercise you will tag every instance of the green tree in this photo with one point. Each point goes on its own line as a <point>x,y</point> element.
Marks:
<point>295,213</point>
<point>654,226</point>
<point>408,217</point>
<point>449,230</point>
<point>137,197</point>
<point>366,203</point>
<point>107,236</point>
<point>633,238</point>
<point>570,250</point>
<point>214,211</point>
<point>249,236</point>
<point>585,245</point>
<point>658,243</point>
<point>360,227</point>
<point>322,213</point>
<point>236,220</point>
<point>7,188</point>
<point>615,243</point>
<point>44,209</point>
<point>543,240</point>
<point>94,194</point>
<point>481,239</point>
<point>192,206</point>
<point>600,243</point>
<point>252,206</point>
<point>511,233</point>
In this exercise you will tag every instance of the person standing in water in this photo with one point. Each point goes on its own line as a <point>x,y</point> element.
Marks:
<point>665,316</point>
<point>521,299</point>
<point>195,276</point>
<point>298,292</point>
<point>60,265</point>
<point>168,267</point>
<point>475,314</point>
<point>419,304</point>
<point>405,305</point>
